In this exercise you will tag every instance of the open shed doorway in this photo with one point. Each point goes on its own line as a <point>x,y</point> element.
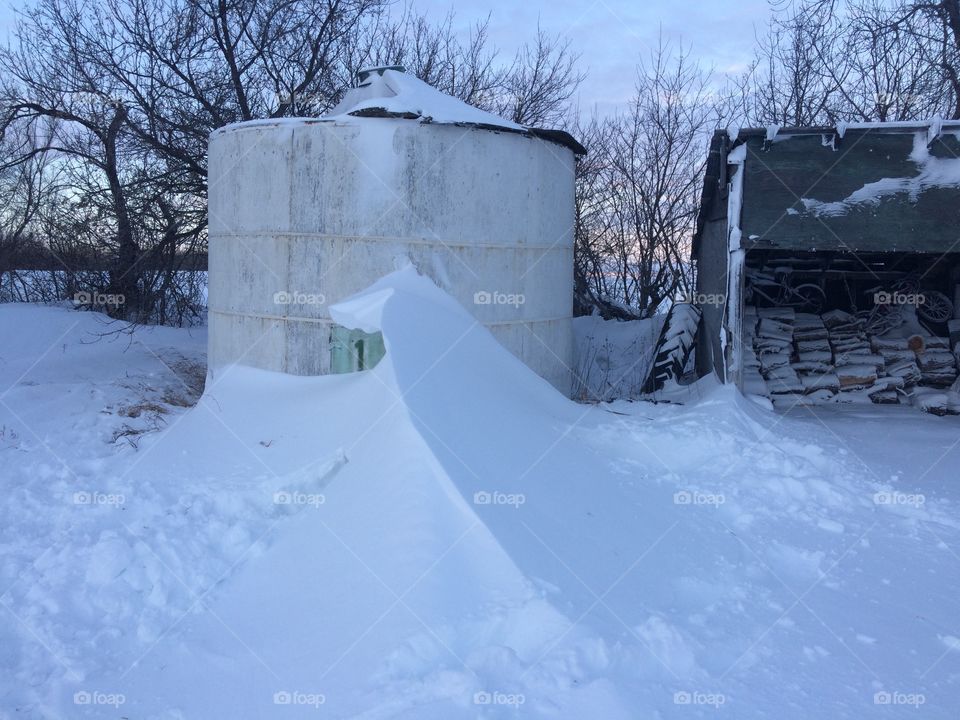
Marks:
<point>846,328</point>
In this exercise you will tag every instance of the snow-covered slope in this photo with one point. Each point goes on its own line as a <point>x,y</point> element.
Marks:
<point>447,537</point>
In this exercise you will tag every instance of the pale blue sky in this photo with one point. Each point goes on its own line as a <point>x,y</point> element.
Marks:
<point>611,34</point>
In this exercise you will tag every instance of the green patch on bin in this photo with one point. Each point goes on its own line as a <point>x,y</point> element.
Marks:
<point>354,350</point>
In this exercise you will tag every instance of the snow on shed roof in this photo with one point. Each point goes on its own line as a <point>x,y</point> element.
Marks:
<point>900,126</point>
<point>859,187</point>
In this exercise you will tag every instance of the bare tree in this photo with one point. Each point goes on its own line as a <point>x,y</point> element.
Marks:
<point>24,188</point>
<point>534,88</point>
<point>464,68</point>
<point>134,88</point>
<point>638,192</point>
<point>826,61</point>
<point>127,92</point>
<point>537,88</point>
<point>794,82</point>
<point>592,284</point>
<point>58,93</point>
<point>935,27</point>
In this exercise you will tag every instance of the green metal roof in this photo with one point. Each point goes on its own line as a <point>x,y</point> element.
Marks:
<point>883,187</point>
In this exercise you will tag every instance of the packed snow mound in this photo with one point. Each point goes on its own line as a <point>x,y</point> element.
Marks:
<point>398,93</point>
<point>446,536</point>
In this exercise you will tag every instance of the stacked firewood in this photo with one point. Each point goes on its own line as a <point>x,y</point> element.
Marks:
<point>858,367</point>
<point>812,357</point>
<point>807,358</point>
<point>938,366</point>
<point>753,381</point>
<point>773,344</point>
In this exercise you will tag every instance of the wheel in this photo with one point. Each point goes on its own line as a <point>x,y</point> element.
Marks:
<point>810,297</point>
<point>908,285</point>
<point>936,307</point>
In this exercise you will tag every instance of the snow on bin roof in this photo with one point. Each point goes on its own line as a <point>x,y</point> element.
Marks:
<point>393,93</point>
<point>389,92</point>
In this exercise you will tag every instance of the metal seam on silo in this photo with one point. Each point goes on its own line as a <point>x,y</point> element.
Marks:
<point>408,241</point>
<point>330,321</point>
<point>289,274</point>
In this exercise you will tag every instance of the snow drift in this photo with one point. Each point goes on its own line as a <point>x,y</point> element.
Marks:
<point>446,536</point>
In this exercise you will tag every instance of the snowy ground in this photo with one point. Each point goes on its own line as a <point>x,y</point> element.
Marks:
<point>446,537</point>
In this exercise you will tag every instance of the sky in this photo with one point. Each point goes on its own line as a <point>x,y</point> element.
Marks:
<point>611,35</point>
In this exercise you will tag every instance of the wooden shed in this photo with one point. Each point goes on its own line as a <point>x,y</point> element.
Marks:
<point>828,259</point>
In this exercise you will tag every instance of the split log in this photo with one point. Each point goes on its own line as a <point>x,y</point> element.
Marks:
<point>812,345</point>
<point>783,314</point>
<point>857,358</point>
<point>856,376</point>
<point>812,366</point>
<point>812,383</point>
<point>885,397</point>
<point>815,356</point>
<point>907,370</point>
